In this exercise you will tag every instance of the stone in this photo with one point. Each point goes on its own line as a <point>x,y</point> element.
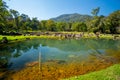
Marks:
<point>4,40</point>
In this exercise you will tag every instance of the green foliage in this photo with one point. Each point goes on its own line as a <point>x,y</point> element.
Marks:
<point>12,21</point>
<point>79,26</point>
<point>50,25</point>
<point>15,14</point>
<point>43,25</point>
<point>61,26</point>
<point>34,24</point>
<point>3,15</point>
<point>113,21</point>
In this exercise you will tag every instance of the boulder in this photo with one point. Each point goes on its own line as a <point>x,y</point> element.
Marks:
<point>4,40</point>
<point>31,64</point>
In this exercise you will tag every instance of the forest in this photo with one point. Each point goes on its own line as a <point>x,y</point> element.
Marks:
<point>11,21</point>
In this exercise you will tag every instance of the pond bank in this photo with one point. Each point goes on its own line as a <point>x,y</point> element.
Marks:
<point>60,35</point>
<point>22,38</point>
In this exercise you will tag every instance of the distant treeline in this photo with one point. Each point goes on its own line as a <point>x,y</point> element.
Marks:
<point>11,21</point>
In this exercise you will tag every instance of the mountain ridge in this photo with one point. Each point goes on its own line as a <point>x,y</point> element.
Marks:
<point>75,17</point>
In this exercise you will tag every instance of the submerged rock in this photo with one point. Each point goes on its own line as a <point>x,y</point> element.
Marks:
<point>71,56</point>
<point>31,64</point>
<point>57,61</point>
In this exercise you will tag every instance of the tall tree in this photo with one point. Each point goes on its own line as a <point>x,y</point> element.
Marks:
<point>93,24</point>
<point>50,25</point>
<point>60,26</point>
<point>15,15</point>
<point>43,25</point>
<point>25,22</point>
<point>113,21</point>
<point>35,24</point>
<point>3,15</point>
<point>95,11</point>
<point>79,26</point>
<point>101,25</point>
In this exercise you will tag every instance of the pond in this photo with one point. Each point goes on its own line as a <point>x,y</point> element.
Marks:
<point>62,55</point>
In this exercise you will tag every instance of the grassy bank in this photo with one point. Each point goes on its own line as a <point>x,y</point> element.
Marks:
<point>19,38</point>
<point>86,35</point>
<point>111,73</point>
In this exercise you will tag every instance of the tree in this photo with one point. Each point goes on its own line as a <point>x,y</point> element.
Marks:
<point>101,25</point>
<point>113,21</point>
<point>3,15</point>
<point>96,23</point>
<point>95,11</point>
<point>35,24</point>
<point>15,15</point>
<point>69,26</point>
<point>9,24</point>
<point>50,25</point>
<point>79,26</point>
<point>43,25</point>
<point>83,27</point>
<point>24,22</point>
<point>60,26</point>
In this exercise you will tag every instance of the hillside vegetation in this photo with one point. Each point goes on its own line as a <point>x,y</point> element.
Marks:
<point>72,18</point>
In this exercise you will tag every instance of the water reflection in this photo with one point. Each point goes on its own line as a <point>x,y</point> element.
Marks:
<point>16,55</point>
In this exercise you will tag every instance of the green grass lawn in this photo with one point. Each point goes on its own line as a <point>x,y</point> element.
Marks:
<point>111,73</point>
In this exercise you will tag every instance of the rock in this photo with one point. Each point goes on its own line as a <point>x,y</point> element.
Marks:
<point>97,34</point>
<point>71,56</point>
<point>32,64</point>
<point>57,61</point>
<point>27,38</point>
<point>78,35</point>
<point>4,40</point>
<point>116,37</point>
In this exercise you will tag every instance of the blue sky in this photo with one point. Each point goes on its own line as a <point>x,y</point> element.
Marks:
<point>45,9</point>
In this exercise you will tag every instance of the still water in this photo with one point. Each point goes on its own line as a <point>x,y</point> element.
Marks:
<point>16,55</point>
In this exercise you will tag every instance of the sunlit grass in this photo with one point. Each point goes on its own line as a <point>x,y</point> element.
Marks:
<point>111,73</point>
<point>107,36</point>
<point>12,38</point>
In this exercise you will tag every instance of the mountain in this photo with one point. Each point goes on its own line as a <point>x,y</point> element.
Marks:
<point>71,18</point>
